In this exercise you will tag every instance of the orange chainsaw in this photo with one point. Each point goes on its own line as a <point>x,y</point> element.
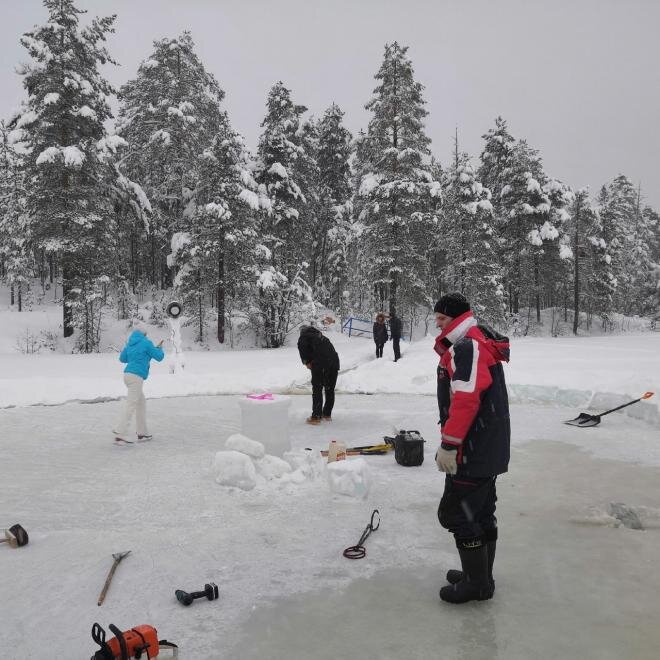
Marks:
<point>139,642</point>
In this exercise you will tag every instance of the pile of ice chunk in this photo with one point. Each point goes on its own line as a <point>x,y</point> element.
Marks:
<point>244,464</point>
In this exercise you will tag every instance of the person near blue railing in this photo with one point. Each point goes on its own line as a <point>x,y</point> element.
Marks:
<point>380,334</point>
<point>396,328</point>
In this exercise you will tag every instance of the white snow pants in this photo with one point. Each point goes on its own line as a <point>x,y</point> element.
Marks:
<point>135,404</point>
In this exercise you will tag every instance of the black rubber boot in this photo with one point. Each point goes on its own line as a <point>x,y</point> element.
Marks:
<point>475,584</point>
<point>454,576</point>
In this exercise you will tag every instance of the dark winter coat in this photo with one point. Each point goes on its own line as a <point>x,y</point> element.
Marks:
<point>316,348</point>
<point>395,327</point>
<point>380,333</point>
<point>472,396</point>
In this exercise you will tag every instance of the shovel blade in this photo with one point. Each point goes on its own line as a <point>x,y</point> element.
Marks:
<point>118,556</point>
<point>16,536</point>
<point>583,419</point>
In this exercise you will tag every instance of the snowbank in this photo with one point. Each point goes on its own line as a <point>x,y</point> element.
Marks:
<point>595,373</point>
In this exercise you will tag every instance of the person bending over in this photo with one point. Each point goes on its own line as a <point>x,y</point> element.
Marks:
<point>318,354</point>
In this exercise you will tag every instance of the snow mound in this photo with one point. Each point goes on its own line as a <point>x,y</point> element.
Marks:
<point>234,469</point>
<point>272,467</point>
<point>307,462</point>
<point>246,446</point>
<point>245,465</point>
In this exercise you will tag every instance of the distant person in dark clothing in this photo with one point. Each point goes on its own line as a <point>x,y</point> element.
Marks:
<point>380,334</point>
<point>318,355</point>
<point>395,332</point>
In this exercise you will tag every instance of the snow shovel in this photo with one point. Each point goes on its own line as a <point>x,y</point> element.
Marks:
<point>16,536</point>
<point>117,556</point>
<point>584,419</point>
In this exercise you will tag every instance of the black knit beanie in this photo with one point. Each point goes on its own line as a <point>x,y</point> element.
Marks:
<point>452,304</point>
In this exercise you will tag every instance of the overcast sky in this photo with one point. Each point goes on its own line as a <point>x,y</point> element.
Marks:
<point>579,79</point>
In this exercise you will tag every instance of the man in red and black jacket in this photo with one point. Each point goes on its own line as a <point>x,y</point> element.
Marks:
<point>474,414</point>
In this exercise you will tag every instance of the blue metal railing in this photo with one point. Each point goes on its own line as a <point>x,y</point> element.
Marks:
<point>359,327</point>
<point>352,324</point>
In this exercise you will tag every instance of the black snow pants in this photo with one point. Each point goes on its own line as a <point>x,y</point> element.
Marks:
<point>467,508</point>
<point>323,379</point>
<point>397,349</point>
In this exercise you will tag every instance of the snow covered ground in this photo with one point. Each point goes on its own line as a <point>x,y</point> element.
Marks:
<point>601,371</point>
<point>570,582</point>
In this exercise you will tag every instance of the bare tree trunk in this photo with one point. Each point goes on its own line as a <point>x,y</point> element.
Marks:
<point>152,246</point>
<point>87,329</point>
<point>201,317</point>
<point>67,311</point>
<point>536,288</point>
<point>133,262</point>
<point>393,292</point>
<point>516,287</point>
<point>576,275</point>
<point>220,294</point>
<point>42,270</point>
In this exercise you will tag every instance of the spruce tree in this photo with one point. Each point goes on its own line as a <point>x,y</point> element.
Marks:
<point>496,166</point>
<point>397,186</point>
<point>640,261</point>
<point>16,241</point>
<point>554,265</point>
<point>610,258</point>
<point>61,123</point>
<point>590,277</point>
<point>168,115</point>
<point>525,210</point>
<point>651,287</point>
<point>307,174</point>
<point>282,268</point>
<point>469,241</point>
<point>619,212</point>
<point>333,156</point>
<point>218,259</point>
<point>496,172</point>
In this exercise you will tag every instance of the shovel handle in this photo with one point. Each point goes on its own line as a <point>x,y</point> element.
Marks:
<point>10,538</point>
<point>107,582</point>
<point>646,395</point>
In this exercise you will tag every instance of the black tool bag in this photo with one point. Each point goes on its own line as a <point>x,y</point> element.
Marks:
<point>409,448</point>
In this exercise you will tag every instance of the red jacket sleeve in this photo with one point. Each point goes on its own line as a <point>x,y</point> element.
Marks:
<point>470,376</point>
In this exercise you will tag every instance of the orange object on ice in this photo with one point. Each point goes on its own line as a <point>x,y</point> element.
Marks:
<point>139,642</point>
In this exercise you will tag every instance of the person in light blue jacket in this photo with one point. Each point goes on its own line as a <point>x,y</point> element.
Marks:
<point>136,355</point>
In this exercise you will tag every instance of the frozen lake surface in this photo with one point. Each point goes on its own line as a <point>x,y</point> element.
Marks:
<point>569,583</point>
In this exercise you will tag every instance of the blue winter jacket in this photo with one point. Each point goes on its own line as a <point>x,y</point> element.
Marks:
<point>137,354</point>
